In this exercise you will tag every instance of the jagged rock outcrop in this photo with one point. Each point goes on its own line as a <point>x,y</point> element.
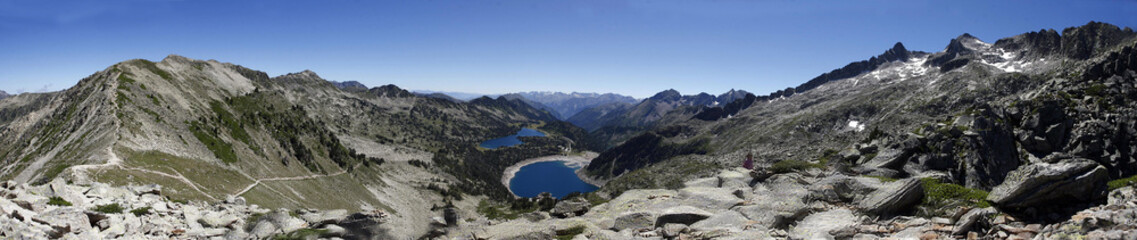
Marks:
<point>1046,185</point>
<point>893,198</point>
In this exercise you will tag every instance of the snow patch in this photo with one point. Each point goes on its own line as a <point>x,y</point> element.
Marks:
<point>856,125</point>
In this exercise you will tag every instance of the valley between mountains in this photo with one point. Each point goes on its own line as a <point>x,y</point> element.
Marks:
<point>1031,136</point>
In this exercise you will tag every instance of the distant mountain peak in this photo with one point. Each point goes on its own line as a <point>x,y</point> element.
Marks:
<point>176,58</point>
<point>349,85</point>
<point>669,94</point>
<point>305,73</point>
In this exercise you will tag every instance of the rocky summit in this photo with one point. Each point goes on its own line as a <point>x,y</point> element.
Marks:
<point>1032,136</point>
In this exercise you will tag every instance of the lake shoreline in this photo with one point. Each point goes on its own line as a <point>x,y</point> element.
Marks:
<point>570,160</point>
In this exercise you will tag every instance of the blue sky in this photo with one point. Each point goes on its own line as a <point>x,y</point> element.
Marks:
<point>629,47</point>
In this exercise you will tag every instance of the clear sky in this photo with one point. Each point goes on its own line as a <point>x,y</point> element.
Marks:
<point>630,47</point>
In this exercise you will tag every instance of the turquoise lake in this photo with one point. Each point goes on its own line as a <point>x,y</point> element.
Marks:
<point>511,140</point>
<point>552,177</point>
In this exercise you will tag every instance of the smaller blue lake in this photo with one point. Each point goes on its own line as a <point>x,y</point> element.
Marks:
<point>553,177</point>
<point>511,140</point>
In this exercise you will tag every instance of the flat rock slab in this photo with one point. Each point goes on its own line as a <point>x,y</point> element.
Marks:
<point>729,220</point>
<point>821,225</point>
<point>710,198</point>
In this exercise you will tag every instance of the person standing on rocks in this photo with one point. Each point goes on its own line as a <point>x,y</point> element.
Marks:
<point>749,163</point>
<point>756,174</point>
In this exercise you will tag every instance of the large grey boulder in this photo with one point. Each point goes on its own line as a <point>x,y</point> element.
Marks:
<point>890,159</point>
<point>841,189</point>
<point>823,225</point>
<point>64,220</point>
<point>320,218</point>
<point>147,189</point>
<point>776,204</point>
<point>893,198</point>
<point>284,221</point>
<point>634,220</point>
<point>1044,184</point>
<point>217,219</point>
<point>968,220</point>
<point>734,178</point>
<point>570,208</point>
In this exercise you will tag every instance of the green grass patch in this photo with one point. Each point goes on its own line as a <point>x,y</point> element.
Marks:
<point>52,172</point>
<point>109,208</point>
<point>792,165</point>
<point>122,78</point>
<point>1120,183</point>
<point>498,212</point>
<point>942,198</point>
<point>152,67</point>
<point>140,211</point>
<point>236,128</point>
<point>221,149</point>
<point>1095,90</point>
<point>58,201</point>
<point>570,233</point>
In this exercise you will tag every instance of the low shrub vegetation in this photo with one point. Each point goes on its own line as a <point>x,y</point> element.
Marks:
<point>791,165</point>
<point>109,208</point>
<point>58,201</point>
<point>942,199</point>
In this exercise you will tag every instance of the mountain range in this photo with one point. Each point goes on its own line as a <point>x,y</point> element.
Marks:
<point>1029,136</point>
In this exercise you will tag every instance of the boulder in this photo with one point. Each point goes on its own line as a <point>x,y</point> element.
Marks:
<point>263,229</point>
<point>672,230</point>
<point>147,189</point>
<point>320,218</point>
<point>217,219</point>
<point>893,198</point>
<point>235,200</point>
<point>334,230</point>
<point>734,178</point>
<point>685,215</point>
<point>849,154</point>
<point>64,220</point>
<point>570,208</point>
<point>1045,184</point>
<point>968,220</point>
<point>710,198</point>
<point>839,189</point>
<point>823,225</point>
<point>284,221</point>
<point>776,204</point>
<point>634,220</point>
